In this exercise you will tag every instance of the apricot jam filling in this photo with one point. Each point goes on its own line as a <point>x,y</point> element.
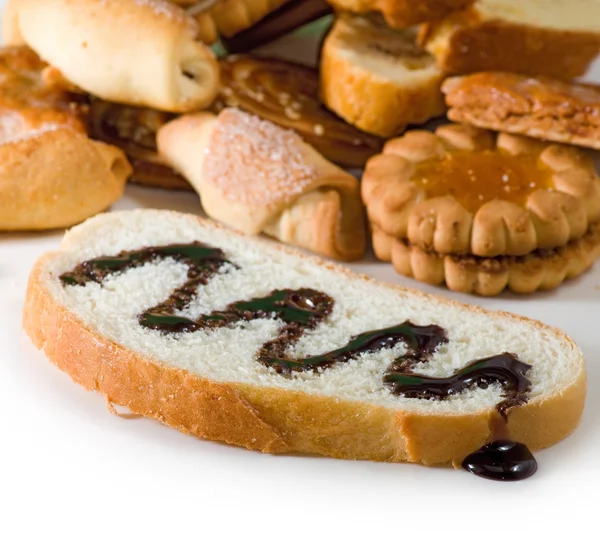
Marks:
<point>474,178</point>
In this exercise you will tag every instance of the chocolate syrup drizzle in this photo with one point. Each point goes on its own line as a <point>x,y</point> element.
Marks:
<point>302,310</point>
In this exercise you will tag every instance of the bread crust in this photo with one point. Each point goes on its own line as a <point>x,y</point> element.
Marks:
<point>404,13</point>
<point>539,270</point>
<point>468,42</point>
<point>300,198</point>
<point>84,40</point>
<point>539,107</point>
<point>57,178</point>
<point>375,99</point>
<point>548,219</point>
<point>275,420</point>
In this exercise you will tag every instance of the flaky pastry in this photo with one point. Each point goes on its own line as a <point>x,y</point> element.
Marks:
<point>139,52</point>
<point>259,178</point>
<point>464,190</point>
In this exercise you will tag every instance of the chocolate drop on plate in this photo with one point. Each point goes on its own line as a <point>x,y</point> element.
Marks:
<point>502,460</point>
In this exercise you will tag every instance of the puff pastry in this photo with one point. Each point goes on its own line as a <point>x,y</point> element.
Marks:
<point>139,52</point>
<point>51,174</point>
<point>257,177</point>
<point>487,195</point>
<point>539,107</point>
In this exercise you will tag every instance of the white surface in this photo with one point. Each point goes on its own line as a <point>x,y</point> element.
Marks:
<point>69,466</point>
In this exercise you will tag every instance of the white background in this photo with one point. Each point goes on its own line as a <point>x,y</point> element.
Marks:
<point>69,467</point>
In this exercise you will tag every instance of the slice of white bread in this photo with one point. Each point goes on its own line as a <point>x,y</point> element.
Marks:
<point>210,383</point>
<point>555,38</point>
<point>377,78</point>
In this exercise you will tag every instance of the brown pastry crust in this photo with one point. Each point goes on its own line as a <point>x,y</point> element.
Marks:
<point>201,11</point>
<point>541,269</point>
<point>133,130</point>
<point>378,79</point>
<point>233,16</point>
<point>404,13</point>
<point>272,420</point>
<point>548,219</point>
<point>466,42</point>
<point>286,94</point>
<point>259,178</point>
<point>542,108</point>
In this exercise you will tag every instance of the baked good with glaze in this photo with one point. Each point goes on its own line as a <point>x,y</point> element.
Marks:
<point>286,94</point>
<point>133,129</point>
<point>489,276</point>
<point>378,79</point>
<point>251,383</point>
<point>259,178</point>
<point>86,41</point>
<point>539,107</point>
<point>463,190</point>
<point>52,174</point>
<point>403,13</point>
<point>549,37</point>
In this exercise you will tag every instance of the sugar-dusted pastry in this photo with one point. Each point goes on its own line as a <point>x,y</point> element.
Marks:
<point>52,175</point>
<point>378,79</point>
<point>138,52</point>
<point>467,192</point>
<point>257,177</point>
<point>286,94</point>
<point>403,13</point>
<point>133,129</point>
<point>545,37</point>
<point>539,107</point>
<point>201,11</point>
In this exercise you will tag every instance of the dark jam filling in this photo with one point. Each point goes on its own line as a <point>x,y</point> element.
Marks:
<point>302,310</point>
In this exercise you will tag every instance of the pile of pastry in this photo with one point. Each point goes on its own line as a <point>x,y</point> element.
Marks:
<point>98,92</point>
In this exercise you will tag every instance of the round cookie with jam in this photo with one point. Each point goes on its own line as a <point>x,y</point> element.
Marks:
<point>482,211</point>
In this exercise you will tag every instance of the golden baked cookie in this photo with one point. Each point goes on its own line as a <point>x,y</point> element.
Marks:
<point>133,130</point>
<point>286,94</point>
<point>553,38</point>
<point>540,269</point>
<point>378,79</point>
<point>52,175</point>
<point>540,107</point>
<point>464,190</point>
<point>404,13</point>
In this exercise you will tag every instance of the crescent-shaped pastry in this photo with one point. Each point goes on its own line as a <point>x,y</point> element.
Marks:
<point>259,178</point>
<point>139,52</point>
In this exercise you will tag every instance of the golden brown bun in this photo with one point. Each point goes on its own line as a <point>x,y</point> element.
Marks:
<point>286,94</point>
<point>274,420</point>
<point>403,13</point>
<point>451,222</point>
<point>532,38</point>
<point>540,107</point>
<point>256,177</point>
<point>378,79</point>
<point>541,269</point>
<point>139,53</point>
<point>57,178</point>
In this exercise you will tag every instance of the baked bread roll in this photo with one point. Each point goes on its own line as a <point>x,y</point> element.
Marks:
<point>237,340</point>
<point>64,179</point>
<point>378,79</point>
<point>133,52</point>
<point>403,13</point>
<point>548,37</point>
<point>259,178</point>
<point>51,175</point>
<point>286,94</point>
<point>540,107</point>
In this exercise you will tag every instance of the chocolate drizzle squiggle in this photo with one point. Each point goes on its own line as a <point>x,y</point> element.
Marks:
<point>302,310</point>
